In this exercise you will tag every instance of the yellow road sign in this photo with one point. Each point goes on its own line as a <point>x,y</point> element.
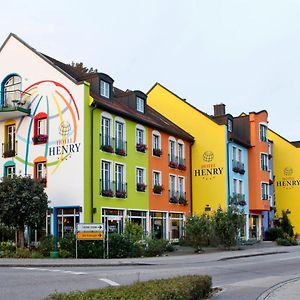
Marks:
<point>92,235</point>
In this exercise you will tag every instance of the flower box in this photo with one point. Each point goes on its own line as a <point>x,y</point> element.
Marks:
<point>157,189</point>
<point>120,194</point>
<point>173,199</point>
<point>9,153</point>
<point>182,200</point>
<point>181,167</point>
<point>43,180</point>
<point>107,193</point>
<point>121,152</point>
<point>107,148</point>
<point>172,164</point>
<point>141,147</point>
<point>242,171</point>
<point>40,139</point>
<point>141,187</point>
<point>157,152</point>
<point>236,169</point>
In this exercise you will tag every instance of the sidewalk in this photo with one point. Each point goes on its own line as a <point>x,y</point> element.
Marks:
<point>263,248</point>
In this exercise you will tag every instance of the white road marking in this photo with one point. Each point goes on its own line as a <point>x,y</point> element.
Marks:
<point>110,282</point>
<point>51,270</point>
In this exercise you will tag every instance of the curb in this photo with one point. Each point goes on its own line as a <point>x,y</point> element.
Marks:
<point>250,255</point>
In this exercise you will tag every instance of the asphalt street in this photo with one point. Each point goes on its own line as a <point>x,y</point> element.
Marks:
<point>246,274</point>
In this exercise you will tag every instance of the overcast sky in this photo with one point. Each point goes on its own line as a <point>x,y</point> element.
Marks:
<point>244,53</point>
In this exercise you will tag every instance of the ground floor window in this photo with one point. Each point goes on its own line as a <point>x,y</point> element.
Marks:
<point>158,225</point>
<point>254,226</point>
<point>67,218</point>
<point>113,220</point>
<point>138,217</point>
<point>176,226</point>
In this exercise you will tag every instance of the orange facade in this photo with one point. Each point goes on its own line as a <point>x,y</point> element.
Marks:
<point>258,162</point>
<point>173,177</point>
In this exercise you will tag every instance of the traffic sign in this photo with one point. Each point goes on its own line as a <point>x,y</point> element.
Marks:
<point>90,235</point>
<point>89,227</point>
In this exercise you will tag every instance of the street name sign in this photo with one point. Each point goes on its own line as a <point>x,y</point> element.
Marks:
<point>92,235</point>
<point>89,227</point>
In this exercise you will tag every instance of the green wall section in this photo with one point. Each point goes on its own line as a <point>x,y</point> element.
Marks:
<point>87,146</point>
<point>134,200</point>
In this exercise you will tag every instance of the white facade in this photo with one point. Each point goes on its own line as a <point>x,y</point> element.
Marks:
<point>52,95</point>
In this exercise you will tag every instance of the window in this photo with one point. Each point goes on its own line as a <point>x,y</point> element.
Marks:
<point>229,125</point>
<point>67,218</point>
<point>264,191</point>
<point>172,154</point>
<point>104,89</point>
<point>172,185</point>
<point>140,139</point>
<point>40,129</point>
<point>40,170</point>
<point>263,132</point>
<point>106,140</point>
<point>181,191</point>
<point>12,91</point>
<point>120,184</point>
<point>181,160</point>
<point>9,147</point>
<point>157,186</point>
<point>264,161</point>
<point>238,197</point>
<point>140,105</point>
<point>156,150</point>
<point>119,139</point>
<point>9,169</point>
<point>240,159</point>
<point>140,180</point>
<point>106,183</point>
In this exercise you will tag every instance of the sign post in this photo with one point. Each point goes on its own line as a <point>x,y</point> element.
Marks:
<point>89,232</point>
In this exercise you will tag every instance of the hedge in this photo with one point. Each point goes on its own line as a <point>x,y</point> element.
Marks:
<point>191,287</point>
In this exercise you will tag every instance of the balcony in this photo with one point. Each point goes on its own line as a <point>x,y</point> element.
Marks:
<point>15,105</point>
<point>106,188</point>
<point>173,161</point>
<point>181,164</point>
<point>238,167</point>
<point>121,190</point>
<point>106,143</point>
<point>9,149</point>
<point>120,147</point>
<point>238,199</point>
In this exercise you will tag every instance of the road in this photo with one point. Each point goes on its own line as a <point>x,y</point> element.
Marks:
<point>239,277</point>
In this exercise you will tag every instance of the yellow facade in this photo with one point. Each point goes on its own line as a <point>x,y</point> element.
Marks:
<point>209,167</point>
<point>287,178</point>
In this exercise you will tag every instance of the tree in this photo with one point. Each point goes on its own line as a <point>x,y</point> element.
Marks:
<point>286,224</point>
<point>227,225</point>
<point>199,231</point>
<point>22,202</point>
<point>80,67</point>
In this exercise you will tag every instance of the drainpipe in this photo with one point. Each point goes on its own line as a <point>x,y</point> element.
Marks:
<point>92,165</point>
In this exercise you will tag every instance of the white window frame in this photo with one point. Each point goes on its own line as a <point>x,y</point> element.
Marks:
<point>263,134</point>
<point>183,186</point>
<point>10,171</point>
<point>180,143</point>
<point>140,105</point>
<point>172,140</point>
<point>142,129</point>
<point>175,182</point>
<point>104,89</point>
<point>143,173</point>
<point>41,170</point>
<point>265,190</point>
<point>110,179</point>
<point>157,134</point>
<point>265,160</point>
<point>159,177</point>
<point>41,126</point>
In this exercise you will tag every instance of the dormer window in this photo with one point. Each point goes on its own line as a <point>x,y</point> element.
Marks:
<point>104,88</point>
<point>140,105</point>
<point>229,125</point>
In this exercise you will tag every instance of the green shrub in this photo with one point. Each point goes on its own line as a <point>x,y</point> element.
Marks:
<point>155,247</point>
<point>133,231</point>
<point>181,287</point>
<point>8,246</point>
<point>90,249</point>
<point>286,224</point>
<point>23,253</point>
<point>67,244</point>
<point>119,246</point>
<point>273,234</point>
<point>6,233</point>
<point>36,254</point>
<point>287,241</point>
<point>170,247</point>
<point>46,245</point>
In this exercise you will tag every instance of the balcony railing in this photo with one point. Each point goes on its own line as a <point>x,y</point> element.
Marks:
<point>238,167</point>
<point>181,164</point>
<point>14,105</point>
<point>177,197</point>
<point>238,199</point>
<point>106,143</point>
<point>121,190</point>
<point>173,161</point>
<point>120,147</point>
<point>106,188</point>
<point>9,149</point>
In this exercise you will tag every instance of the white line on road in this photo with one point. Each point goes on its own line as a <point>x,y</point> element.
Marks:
<point>51,270</point>
<point>110,282</point>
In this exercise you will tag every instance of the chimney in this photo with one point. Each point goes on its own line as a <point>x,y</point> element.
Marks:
<point>219,109</point>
